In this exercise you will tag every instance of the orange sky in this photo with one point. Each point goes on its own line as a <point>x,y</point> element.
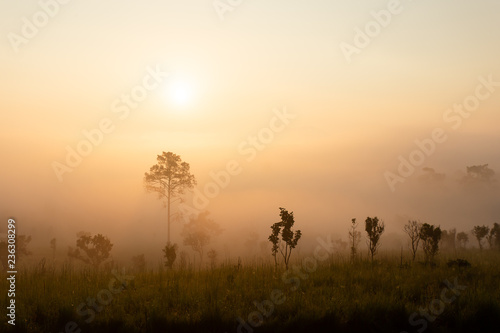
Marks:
<point>352,119</point>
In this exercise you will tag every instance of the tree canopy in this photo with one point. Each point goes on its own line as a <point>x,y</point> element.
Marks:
<point>374,228</point>
<point>169,178</point>
<point>92,250</point>
<point>288,240</point>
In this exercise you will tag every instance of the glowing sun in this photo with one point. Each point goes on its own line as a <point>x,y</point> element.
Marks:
<point>179,92</point>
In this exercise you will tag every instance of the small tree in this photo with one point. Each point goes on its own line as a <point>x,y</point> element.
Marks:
<point>374,228</point>
<point>480,232</point>
<point>448,239</point>
<point>170,254</point>
<point>430,236</point>
<point>354,238</point>
<point>496,235</point>
<point>199,231</point>
<point>479,173</point>
<point>288,240</point>
<point>91,250</point>
<point>490,238</point>
<point>274,238</point>
<point>412,229</point>
<point>462,239</point>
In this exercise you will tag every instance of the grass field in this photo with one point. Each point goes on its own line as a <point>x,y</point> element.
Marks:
<point>334,295</point>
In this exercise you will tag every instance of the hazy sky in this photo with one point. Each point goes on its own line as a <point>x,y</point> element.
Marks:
<point>64,73</point>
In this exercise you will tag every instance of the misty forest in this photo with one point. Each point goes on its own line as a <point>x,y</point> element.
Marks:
<point>427,279</point>
<point>246,166</point>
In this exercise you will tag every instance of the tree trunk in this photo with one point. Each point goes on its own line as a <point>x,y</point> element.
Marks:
<point>169,194</point>
<point>168,220</point>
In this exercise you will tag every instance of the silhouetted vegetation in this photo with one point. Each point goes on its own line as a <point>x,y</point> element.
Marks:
<point>92,250</point>
<point>339,296</point>
<point>337,290</point>
<point>170,254</point>
<point>480,232</point>
<point>479,174</point>
<point>288,240</point>
<point>412,229</point>
<point>458,263</point>
<point>448,239</point>
<point>354,238</point>
<point>199,232</point>
<point>374,228</point>
<point>495,231</point>
<point>169,178</point>
<point>462,239</point>
<point>430,236</point>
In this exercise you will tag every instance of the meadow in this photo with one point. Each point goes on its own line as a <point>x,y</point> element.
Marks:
<point>335,295</point>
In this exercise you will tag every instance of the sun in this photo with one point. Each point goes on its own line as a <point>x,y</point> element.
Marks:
<point>179,93</point>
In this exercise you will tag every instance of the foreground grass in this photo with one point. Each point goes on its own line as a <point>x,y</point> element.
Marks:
<point>335,296</point>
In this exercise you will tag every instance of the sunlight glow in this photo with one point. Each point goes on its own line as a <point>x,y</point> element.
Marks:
<point>179,93</point>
